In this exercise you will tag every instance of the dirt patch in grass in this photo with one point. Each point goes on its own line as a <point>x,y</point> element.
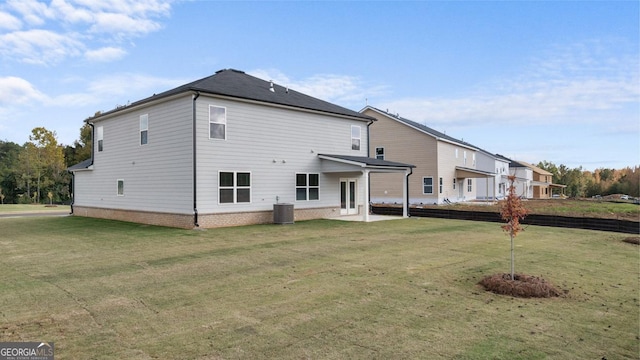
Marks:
<point>632,240</point>
<point>523,286</point>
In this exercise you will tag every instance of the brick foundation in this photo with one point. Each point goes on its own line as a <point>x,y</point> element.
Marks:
<point>206,221</point>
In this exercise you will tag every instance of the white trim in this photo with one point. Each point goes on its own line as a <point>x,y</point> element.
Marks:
<point>118,187</point>
<point>235,187</point>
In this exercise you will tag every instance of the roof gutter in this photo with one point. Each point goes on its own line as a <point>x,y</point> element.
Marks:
<point>368,138</point>
<point>194,97</point>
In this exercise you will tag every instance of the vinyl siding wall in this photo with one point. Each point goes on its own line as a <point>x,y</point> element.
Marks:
<point>273,144</point>
<point>157,176</point>
<point>406,145</point>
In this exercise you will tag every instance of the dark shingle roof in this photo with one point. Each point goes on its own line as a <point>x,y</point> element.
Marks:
<point>237,84</point>
<point>81,165</point>
<point>423,128</point>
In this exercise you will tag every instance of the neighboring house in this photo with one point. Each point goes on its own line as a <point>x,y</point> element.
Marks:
<point>492,188</point>
<point>523,179</point>
<point>221,151</point>
<point>542,182</point>
<point>446,168</point>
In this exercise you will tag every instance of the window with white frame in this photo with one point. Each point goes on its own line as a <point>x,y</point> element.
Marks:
<point>427,185</point>
<point>307,187</point>
<point>217,122</point>
<point>144,129</point>
<point>469,185</point>
<point>454,183</point>
<point>456,153</point>
<point>380,153</point>
<point>473,159</point>
<point>234,187</point>
<point>464,157</point>
<point>355,137</point>
<point>100,137</point>
<point>120,187</point>
<point>440,185</point>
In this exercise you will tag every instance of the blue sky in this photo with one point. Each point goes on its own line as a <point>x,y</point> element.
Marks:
<point>532,80</point>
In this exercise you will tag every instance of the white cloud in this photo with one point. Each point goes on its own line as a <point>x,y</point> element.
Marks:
<point>587,82</point>
<point>105,54</point>
<point>9,22</point>
<point>53,30</point>
<point>18,91</point>
<point>39,46</point>
<point>122,25</point>
<point>341,89</point>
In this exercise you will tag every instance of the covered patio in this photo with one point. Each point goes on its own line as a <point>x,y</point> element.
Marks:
<point>354,172</point>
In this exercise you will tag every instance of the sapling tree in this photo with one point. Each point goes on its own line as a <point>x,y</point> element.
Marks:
<point>512,211</point>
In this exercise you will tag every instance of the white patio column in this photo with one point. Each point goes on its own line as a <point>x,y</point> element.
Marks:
<point>405,193</point>
<point>366,195</point>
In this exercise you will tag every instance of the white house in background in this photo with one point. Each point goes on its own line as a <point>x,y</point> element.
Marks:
<point>222,150</point>
<point>446,168</point>
<point>524,179</point>
<point>495,187</point>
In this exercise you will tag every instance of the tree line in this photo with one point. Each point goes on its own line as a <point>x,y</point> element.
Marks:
<point>601,181</point>
<point>36,172</point>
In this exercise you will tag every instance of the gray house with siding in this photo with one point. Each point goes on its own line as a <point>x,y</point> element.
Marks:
<point>222,150</point>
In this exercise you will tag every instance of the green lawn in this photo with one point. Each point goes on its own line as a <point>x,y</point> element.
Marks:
<point>32,208</point>
<point>401,289</point>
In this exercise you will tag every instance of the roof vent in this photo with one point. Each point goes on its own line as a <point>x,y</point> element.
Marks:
<point>271,86</point>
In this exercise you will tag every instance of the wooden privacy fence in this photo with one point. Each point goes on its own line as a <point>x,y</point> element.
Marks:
<point>615,225</point>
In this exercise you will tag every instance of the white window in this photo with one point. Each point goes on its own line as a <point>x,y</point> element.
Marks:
<point>144,129</point>
<point>380,153</point>
<point>464,157</point>
<point>100,137</point>
<point>217,122</point>
<point>427,185</point>
<point>456,153</point>
<point>307,187</point>
<point>120,187</point>
<point>440,185</point>
<point>469,185</point>
<point>355,137</point>
<point>454,183</point>
<point>474,159</point>
<point>234,187</point>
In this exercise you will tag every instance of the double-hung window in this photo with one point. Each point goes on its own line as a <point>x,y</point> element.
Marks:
<point>469,185</point>
<point>217,122</point>
<point>234,187</point>
<point>307,187</point>
<point>454,183</point>
<point>144,129</point>
<point>355,137</point>
<point>100,137</point>
<point>440,185</point>
<point>120,187</point>
<point>380,153</point>
<point>427,185</point>
<point>464,157</point>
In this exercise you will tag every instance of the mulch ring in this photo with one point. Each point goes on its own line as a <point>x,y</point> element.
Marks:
<point>523,286</point>
<point>632,240</point>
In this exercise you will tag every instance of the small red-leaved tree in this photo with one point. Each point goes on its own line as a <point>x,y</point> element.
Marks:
<point>512,212</point>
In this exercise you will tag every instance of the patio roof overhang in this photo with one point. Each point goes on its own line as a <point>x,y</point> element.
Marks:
<point>346,163</point>
<point>463,172</point>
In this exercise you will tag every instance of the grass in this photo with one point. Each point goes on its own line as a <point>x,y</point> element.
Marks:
<point>400,289</point>
<point>32,208</point>
<point>569,207</point>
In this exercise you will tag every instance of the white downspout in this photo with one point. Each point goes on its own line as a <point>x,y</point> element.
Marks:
<point>405,193</point>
